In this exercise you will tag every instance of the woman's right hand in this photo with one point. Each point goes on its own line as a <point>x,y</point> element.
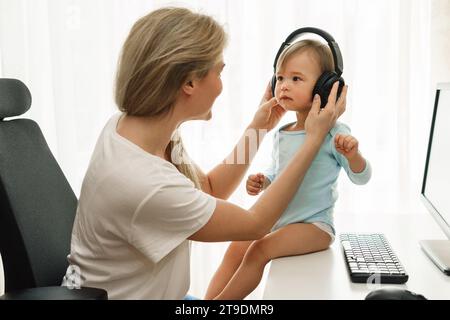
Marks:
<point>320,121</point>
<point>269,112</point>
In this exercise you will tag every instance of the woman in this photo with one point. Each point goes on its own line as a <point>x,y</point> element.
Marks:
<point>142,198</point>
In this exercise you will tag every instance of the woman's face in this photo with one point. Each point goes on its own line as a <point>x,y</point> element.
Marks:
<point>296,80</point>
<point>209,88</point>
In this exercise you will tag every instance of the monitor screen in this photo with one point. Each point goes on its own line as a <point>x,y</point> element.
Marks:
<point>436,182</point>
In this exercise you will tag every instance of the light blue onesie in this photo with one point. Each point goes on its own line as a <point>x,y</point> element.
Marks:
<point>314,200</point>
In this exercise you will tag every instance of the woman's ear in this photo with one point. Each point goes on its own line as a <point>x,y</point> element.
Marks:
<point>188,87</point>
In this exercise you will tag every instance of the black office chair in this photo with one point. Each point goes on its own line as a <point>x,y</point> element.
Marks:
<point>37,207</point>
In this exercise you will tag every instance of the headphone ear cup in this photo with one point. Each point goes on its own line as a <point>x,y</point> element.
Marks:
<point>325,84</point>
<point>273,84</point>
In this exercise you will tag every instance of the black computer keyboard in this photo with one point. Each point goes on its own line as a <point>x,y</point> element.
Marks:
<point>370,259</point>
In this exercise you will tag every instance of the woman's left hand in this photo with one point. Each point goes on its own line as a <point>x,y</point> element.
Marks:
<point>269,112</point>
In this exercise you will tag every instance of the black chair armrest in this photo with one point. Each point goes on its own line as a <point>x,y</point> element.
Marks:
<point>56,293</point>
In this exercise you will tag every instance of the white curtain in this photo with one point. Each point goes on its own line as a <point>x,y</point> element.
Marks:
<point>66,52</point>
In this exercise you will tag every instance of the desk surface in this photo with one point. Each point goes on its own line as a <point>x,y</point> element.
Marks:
<point>324,275</point>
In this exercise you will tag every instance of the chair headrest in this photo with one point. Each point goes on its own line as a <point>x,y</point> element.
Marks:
<point>15,98</point>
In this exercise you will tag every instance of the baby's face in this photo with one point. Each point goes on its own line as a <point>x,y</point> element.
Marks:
<point>296,80</point>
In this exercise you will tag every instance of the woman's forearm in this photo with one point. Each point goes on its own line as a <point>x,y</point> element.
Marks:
<point>225,177</point>
<point>276,198</point>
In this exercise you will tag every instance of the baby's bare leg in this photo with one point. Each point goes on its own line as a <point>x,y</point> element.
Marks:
<point>293,239</point>
<point>230,263</point>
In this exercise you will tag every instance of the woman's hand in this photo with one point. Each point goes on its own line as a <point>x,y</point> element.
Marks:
<point>269,112</point>
<point>320,121</point>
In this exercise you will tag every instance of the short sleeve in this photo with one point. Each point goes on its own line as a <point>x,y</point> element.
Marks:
<point>169,215</point>
<point>359,178</point>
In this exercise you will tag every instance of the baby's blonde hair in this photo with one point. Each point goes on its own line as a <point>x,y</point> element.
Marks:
<point>321,52</point>
<point>163,51</point>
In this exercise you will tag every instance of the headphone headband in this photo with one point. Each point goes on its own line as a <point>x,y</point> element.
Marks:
<point>337,57</point>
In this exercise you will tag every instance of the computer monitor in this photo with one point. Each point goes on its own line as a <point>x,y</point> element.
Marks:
<point>436,179</point>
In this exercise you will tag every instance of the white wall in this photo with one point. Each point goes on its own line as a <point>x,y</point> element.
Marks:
<point>440,41</point>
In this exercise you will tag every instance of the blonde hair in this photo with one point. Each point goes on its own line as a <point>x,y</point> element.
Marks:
<point>321,52</point>
<point>165,49</point>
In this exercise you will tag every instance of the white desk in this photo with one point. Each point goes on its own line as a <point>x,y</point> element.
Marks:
<point>324,275</point>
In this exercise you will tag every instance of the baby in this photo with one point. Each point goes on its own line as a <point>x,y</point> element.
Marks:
<point>307,224</point>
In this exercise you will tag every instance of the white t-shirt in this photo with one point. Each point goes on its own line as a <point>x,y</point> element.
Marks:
<point>133,219</point>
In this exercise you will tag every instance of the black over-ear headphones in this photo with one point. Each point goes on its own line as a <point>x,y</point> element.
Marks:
<point>327,79</point>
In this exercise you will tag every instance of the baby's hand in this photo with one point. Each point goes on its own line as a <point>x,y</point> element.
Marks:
<point>255,183</point>
<point>346,145</point>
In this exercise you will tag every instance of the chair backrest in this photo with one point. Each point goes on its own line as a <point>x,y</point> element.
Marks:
<point>37,204</point>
